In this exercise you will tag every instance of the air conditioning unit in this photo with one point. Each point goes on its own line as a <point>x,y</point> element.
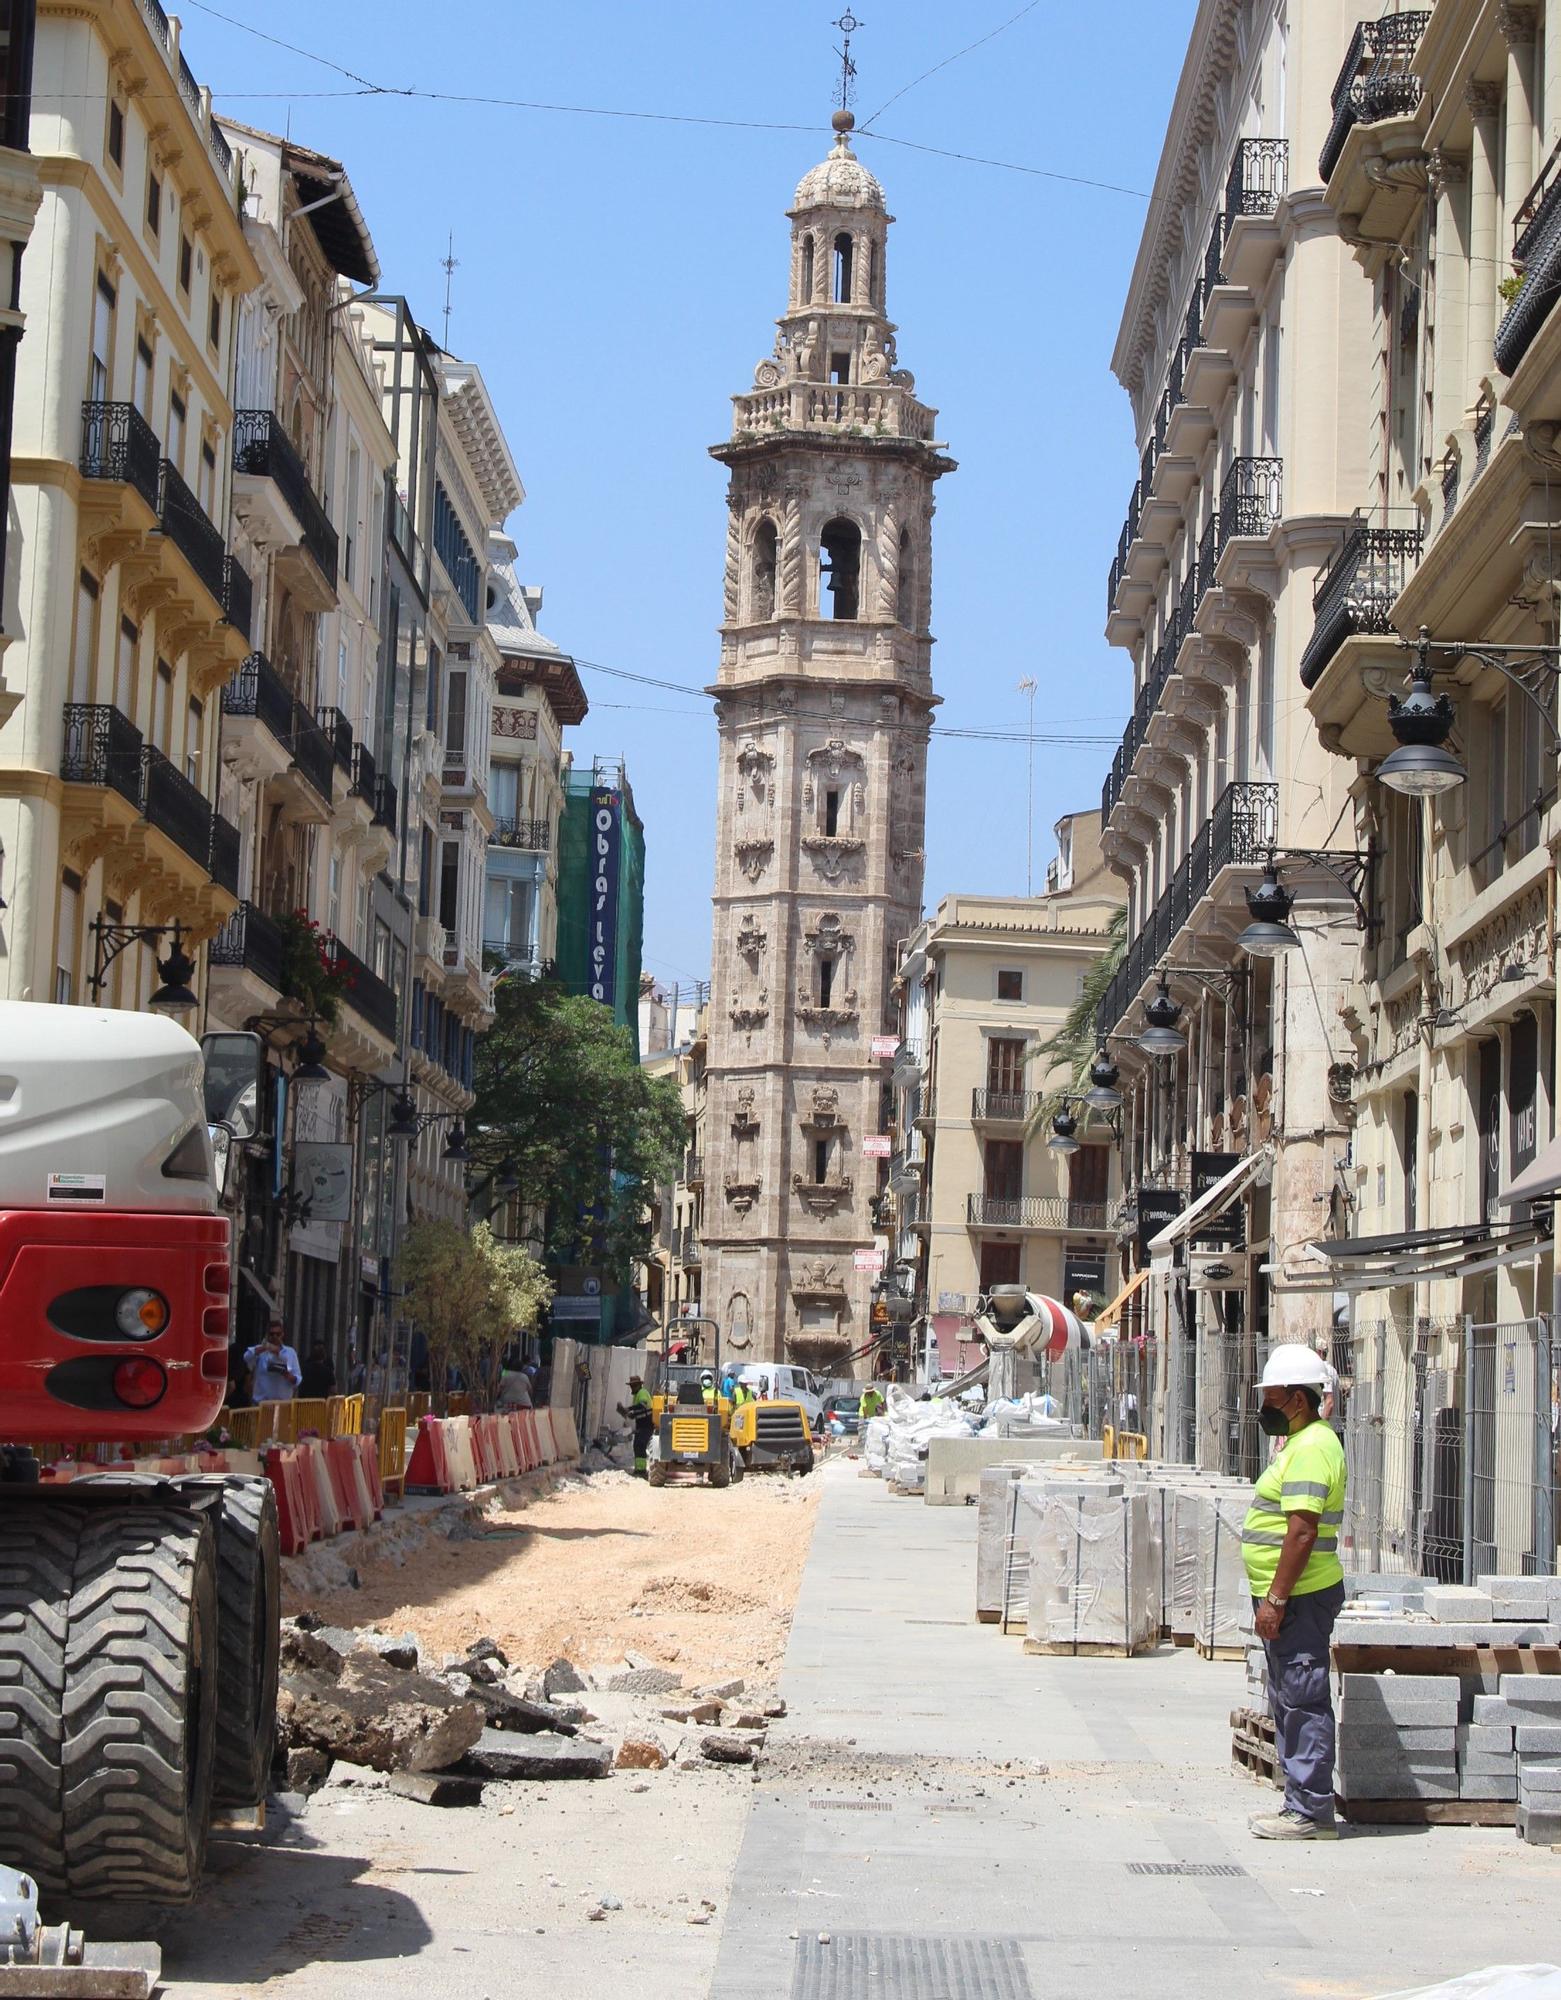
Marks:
<point>1216,1271</point>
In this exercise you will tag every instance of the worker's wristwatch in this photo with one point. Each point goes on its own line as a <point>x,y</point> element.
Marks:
<point>1278,1603</point>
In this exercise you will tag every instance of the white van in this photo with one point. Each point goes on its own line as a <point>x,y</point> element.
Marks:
<point>778,1382</point>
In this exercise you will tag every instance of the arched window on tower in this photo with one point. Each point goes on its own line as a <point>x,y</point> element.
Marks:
<point>807,269</point>
<point>839,569</point>
<point>761,595</point>
<point>905,587</point>
<point>845,251</point>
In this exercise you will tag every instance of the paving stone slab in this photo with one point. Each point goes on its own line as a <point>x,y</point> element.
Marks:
<point>1533,1691</point>
<point>1538,1739</point>
<point>1494,1736</point>
<point>1534,1777</point>
<point>1388,1785</point>
<point>1539,1826</point>
<point>1488,1785</point>
<point>1455,1604</point>
<point>1486,1763</point>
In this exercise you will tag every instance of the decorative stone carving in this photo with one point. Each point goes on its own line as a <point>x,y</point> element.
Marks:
<point>741,1193</point>
<point>823,1114</point>
<point>829,852</point>
<point>819,1280</point>
<point>751,939</point>
<point>829,935</point>
<point>744,1124</point>
<point>1517,935</point>
<point>752,1014</point>
<point>822,1198</point>
<point>753,856</point>
<point>755,765</point>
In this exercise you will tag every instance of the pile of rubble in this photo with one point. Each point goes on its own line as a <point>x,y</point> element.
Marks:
<point>441,1734</point>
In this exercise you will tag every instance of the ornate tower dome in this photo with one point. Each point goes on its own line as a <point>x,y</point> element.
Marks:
<point>824,701</point>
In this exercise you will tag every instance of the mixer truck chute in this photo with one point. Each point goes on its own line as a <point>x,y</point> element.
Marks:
<point>138,1615</point>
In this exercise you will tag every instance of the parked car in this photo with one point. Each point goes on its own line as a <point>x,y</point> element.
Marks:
<point>841,1416</point>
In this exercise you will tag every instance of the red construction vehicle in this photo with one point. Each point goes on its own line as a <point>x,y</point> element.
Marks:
<point>138,1614</point>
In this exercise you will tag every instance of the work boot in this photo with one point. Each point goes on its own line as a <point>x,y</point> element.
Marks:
<point>1288,1825</point>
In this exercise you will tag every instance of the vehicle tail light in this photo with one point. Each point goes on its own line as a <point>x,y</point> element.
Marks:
<point>139,1382</point>
<point>141,1314</point>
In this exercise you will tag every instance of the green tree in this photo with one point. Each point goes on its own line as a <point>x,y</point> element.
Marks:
<point>470,1294</point>
<point>560,1093</point>
<point>1072,1049</point>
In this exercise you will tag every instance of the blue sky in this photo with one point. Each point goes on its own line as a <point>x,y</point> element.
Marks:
<point>620,277</point>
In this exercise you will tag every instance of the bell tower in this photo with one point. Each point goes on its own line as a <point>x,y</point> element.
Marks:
<point>823,703</point>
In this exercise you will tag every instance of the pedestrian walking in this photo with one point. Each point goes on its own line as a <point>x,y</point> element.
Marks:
<point>638,1408</point>
<point>1290,1543</point>
<point>319,1372</point>
<point>275,1364</point>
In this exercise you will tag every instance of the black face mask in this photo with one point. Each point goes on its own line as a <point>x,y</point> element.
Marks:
<point>1273,1420</point>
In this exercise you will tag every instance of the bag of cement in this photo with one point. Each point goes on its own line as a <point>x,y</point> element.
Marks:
<point>1090,1574</point>
<point>1497,1982</point>
<point>1224,1607</point>
<point>875,1444</point>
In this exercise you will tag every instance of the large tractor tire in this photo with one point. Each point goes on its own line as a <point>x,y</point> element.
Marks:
<point>739,1465</point>
<point>656,1472</point>
<point>806,1462</point>
<point>249,1593</point>
<point>108,1698</point>
<point>721,1470</point>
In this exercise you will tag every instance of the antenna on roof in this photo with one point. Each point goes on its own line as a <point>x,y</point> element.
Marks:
<point>450,264</point>
<point>846,88</point>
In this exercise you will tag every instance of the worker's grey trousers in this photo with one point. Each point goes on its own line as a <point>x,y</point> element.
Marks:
<point>1300,1698</point>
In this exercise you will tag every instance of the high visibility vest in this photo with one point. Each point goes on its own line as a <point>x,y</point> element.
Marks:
<point>1306,1476</point>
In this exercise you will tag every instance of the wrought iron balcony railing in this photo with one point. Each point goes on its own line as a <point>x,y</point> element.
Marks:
<point>1375,81</point>
<point>257,689</point>
<point>1259,175</point>
<point>1033,1211</point>
<point>364,776</point>
<point>1536,251</point>
<point>117,443</point>
<point>175,806</point>
<point>187,525</point>
<point>386,803</point>
<point>262,448</point>
<point>222,861</point>
<point>366,993</point>
<point>1251,500</point>
<point>339,730</point>
<point>1240,832</point>
<point>536,834</point>
<point>102,747</point>
<point>1357,590</point>
<point>252,940</point>
<point>313,752</point>
<point>238,596</point>
<point>1004,1107</point>
<point>693,1170</point>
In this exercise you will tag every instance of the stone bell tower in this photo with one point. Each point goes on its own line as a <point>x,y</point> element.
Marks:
<point>824,700</point>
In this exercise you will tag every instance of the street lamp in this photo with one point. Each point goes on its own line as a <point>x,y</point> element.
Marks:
<point>1422,767</point>
<point>176,994</point>
<point>1161,1038</point>
<point>1269,934</point>
<point>310,1067</point>
<point>1103,1094</point>
<point>1064,1127</point>
<point>406,1122</point>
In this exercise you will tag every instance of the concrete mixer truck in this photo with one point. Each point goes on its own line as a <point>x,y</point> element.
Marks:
<point>138,1615</point>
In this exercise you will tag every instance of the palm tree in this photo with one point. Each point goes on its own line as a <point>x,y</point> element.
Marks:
<point>1072,1048</point>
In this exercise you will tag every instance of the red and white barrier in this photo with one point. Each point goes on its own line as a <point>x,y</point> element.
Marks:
<point>454,1454</point>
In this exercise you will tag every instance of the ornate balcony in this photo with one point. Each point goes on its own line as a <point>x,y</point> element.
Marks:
<point>1357,590</point>
<point>365,779</point>
<point>120,447</point>
<point>1004,1107</point>
<point>313,751</point>
<point>271,489</point>
<point>102,748</point>
<point>1242,829</point>
<point>534,834</point>
<point>1536,252</point>
<point>190,530</point>
<point>386,803</point>
<point>1375,81</point>
<point>339,730</point>
<point>1034,1211</point>
<point>222,864</point>
<point>250,942</point>
<point>176,807</point>
<point>366,993</point>
<point>693,1170</point>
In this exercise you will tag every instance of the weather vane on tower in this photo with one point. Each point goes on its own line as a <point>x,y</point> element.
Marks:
<point>848,25</point>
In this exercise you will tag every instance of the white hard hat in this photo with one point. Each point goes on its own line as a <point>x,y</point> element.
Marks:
<point>1295,1367</point>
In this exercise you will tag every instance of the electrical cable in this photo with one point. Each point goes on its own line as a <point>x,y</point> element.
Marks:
<point>969,48</point>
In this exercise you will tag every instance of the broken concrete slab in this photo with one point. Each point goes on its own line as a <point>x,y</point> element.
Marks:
<point>305,1771</point>
<point>562,1677</point>
<point>436,1788</point>
<point>645,1680</point>
<point>698,1711</point>
<point>497,1754</point>
<point>722,1690</point>
<point>514,1712</point>
<point>376,1715</point>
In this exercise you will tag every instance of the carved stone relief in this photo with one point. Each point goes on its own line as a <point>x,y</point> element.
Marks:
<point>753,856</point>
<point>822,1198</point>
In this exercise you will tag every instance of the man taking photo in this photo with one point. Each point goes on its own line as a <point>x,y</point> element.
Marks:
<point>275,1364</point>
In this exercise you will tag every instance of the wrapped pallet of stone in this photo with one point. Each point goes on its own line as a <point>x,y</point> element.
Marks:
<point>1184,1524</point>
<point>1223,1614</point>
<point>1398,1737</point>
<point>997,1514</point>
<point>1026,1513</point>
<point>1091,1575</point>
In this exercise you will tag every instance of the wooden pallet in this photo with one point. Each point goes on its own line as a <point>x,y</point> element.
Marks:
<point>1219,1652</point>
<point>1447,1660</point>
<point>1084,1649</point>
<point>1181,1638</point>
<point>1257,1760</point>
<point>1428,1812</point>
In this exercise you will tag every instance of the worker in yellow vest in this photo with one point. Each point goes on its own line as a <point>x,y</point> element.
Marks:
<point>638,1410</point>
<point>871,1404</point>
<point>1290,1544</point>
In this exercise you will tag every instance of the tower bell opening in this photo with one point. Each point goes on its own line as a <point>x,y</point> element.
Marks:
<point>839,569</point>
<point>845,252</point>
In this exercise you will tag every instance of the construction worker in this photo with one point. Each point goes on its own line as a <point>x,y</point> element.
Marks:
<point>742,1392</point>
<point>707,1388</point>
<point>638,1408</point>
<point>1290,1544</point>
<point>871,1403</point>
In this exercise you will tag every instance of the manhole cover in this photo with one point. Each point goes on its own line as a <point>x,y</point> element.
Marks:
<point>849,1805</point>
<point>861,1965</point>
<point>1184,1868</point>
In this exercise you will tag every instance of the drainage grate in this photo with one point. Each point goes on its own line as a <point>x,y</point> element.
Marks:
<point>1184,1868</point>
<point>862,1965</point>
<point>849,1805</point>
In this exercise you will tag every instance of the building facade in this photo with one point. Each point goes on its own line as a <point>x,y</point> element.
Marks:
<point>131,607</point>
<point>823,700</point>
<point>979,1195</point>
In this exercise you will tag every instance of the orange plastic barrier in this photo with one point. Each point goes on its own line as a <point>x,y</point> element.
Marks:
<point>429,1471</point>
<point>367,1449</point>
<point>545,1436</point>
<point>298,1515</point>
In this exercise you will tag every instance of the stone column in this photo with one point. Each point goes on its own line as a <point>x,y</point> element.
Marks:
<point>1450,389</point>
<point>1484,101</point>
<point>1518,23</point>
<point>1552,99</point>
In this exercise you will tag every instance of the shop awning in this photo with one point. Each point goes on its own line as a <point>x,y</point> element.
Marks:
<point>1210,1205</point>
<point>1413,1256</point>
<point>1536,1182</point>
<point>1109,1315</point>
